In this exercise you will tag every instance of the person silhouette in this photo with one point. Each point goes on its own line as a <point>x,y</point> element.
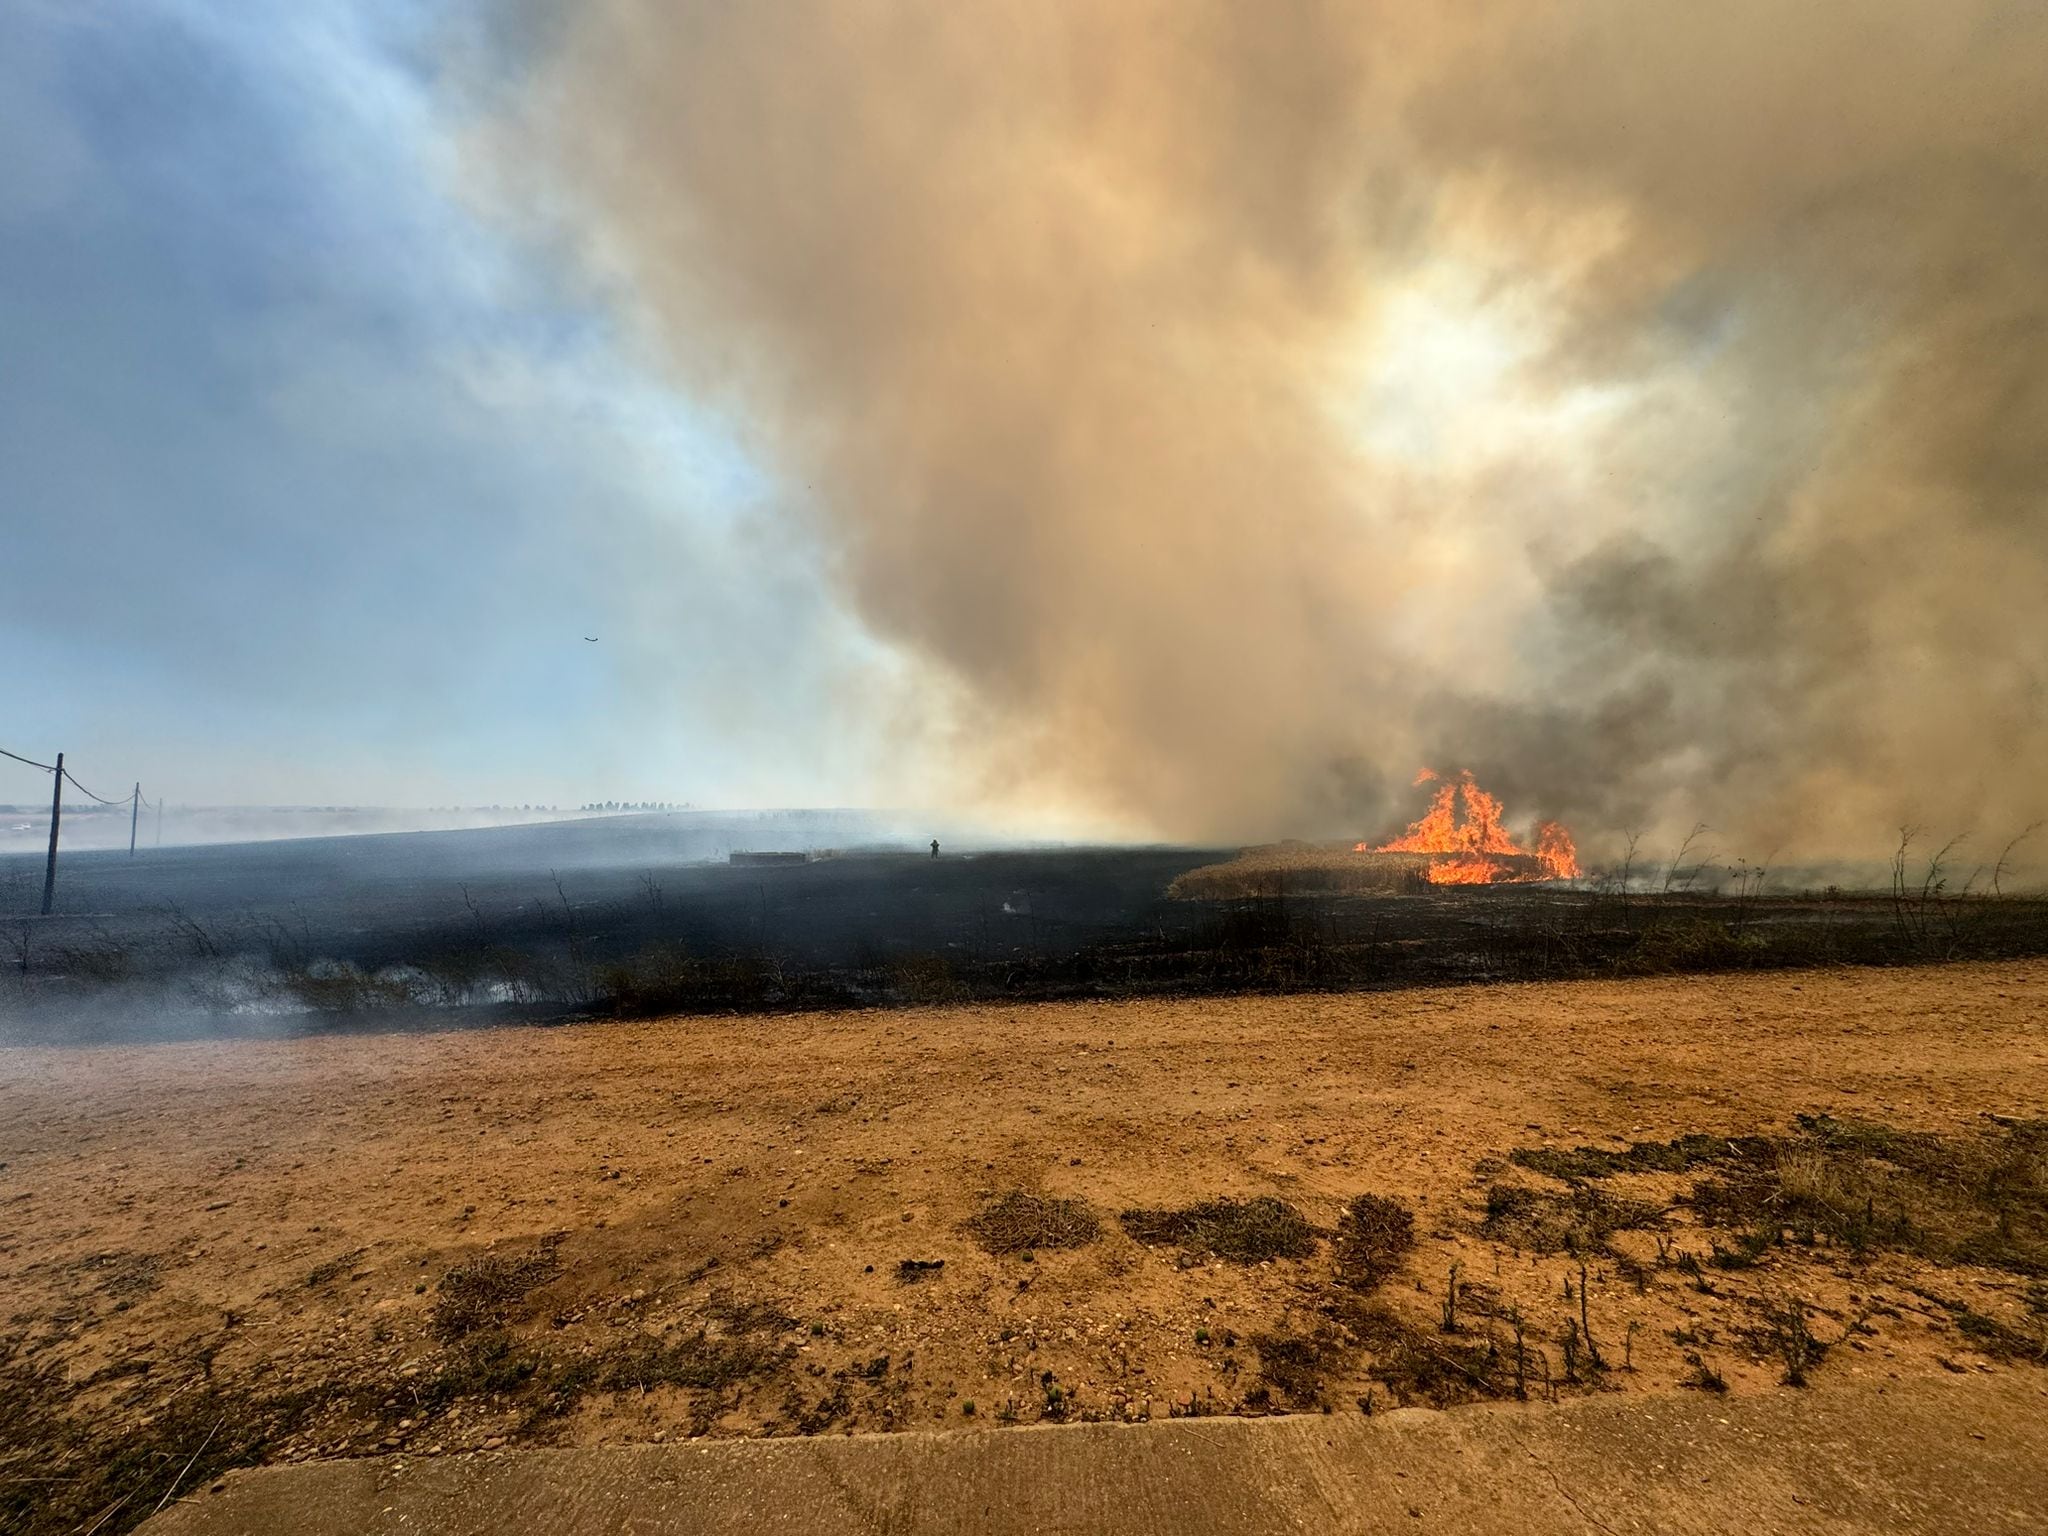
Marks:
<point>935,847</point>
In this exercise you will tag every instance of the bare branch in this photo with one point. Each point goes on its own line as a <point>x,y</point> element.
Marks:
<point>2005,858</point>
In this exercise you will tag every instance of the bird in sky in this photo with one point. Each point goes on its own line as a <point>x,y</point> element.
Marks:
<point>591,638</point>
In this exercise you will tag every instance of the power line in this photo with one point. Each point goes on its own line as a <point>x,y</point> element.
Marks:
<point>72,777</point>
<point>103,800</point>
<point>47,768</point>
<point>59,776</point>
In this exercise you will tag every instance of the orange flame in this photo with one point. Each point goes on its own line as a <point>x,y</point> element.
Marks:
<point>1560,855</point>
<point>1467,871</point>
<point>1466,841</point>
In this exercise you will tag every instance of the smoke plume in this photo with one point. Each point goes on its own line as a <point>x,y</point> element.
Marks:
<point>1230,409</point>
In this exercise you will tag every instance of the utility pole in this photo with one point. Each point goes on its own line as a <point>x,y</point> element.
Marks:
<point>56,815</point>
<point>134,811</point>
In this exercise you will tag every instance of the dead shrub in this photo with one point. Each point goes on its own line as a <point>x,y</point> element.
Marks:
<point>340,986</point>
<point>1295,1365</point>
<point>1784,1333</point>
<point>926,979</point>
<point>1373,1236</point>
<point>101,964</point>
<point>666,978</point>
<point>1423,1367</point>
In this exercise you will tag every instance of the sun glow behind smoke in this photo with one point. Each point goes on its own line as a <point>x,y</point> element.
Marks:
<point>1484,466</point>
<point>1444,375</point>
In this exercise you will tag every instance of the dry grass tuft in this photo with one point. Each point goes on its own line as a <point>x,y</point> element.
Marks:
<point>1977,1199</point>
<point>748,1315</point>
<point>1302,869</point>
<point>1809,1178</point>
<point>482,1293</point>
<point>1019,1223</point>
<point>1678,1155</point>
<point>1242,1231</point>
<point>1577,1221</point>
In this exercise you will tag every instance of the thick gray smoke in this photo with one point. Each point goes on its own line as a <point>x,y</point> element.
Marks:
<point>1232,408</point>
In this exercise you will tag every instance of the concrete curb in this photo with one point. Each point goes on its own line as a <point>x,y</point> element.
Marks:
<point>1933,1454</point>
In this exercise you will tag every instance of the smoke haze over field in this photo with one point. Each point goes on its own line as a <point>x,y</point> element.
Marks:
<point>1227,409</point>
<point>1160,418</point>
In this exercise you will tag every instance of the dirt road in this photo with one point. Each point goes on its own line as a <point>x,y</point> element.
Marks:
<point>700,1225</point>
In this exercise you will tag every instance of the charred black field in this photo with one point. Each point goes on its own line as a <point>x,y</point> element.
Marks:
<point>640,916</point>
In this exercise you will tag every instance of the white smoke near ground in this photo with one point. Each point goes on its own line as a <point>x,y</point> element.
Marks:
<point>1221,411</point>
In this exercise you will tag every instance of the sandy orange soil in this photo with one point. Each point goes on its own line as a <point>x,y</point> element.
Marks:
<point>281,1215</point>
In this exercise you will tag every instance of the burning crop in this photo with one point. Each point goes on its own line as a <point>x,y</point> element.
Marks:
<point>1463,833</point>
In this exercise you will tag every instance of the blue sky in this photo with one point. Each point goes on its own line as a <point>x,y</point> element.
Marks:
<point>312,476</point>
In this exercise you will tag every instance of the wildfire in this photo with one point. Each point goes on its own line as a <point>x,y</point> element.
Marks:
<point>1475,848</point>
